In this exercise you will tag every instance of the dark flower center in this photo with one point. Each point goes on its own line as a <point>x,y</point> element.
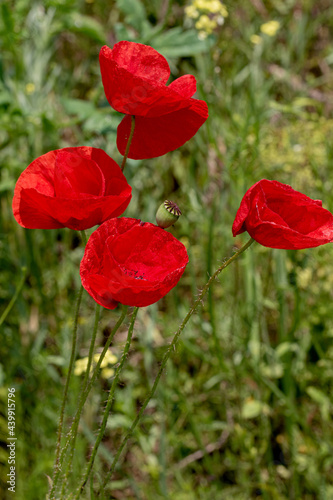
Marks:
<point>138,275</point>
<point>172,208</point>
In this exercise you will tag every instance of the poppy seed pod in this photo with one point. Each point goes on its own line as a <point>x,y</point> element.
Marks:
<point>167,214</point>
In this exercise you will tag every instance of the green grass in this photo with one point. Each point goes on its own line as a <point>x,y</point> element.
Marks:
<point>251,380</point>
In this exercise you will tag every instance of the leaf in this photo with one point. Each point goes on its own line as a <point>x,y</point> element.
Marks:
<point>97,120</point>
<point>118,421</point>
<point>252,408</point>
<point>285,348</point>
<point>273,370</point>
<point>322,399</point>
<point>135,14</point>
<point>301,102</point>
<point>179,43</point>
<point>101,123</point>
<point>56,360</point>
<point>7,185</point>
<point>87,26</point>
<point>2,374</point>
<point>7,18</point>
<point>78,107</point>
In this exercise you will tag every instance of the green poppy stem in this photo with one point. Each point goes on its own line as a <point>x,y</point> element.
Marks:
<point>168,353</point>
<point>128,145</point>
<point>69,374</point>
<point>64,399</point>
<point>108,405</point>
<point>82,401</point>
<point>15,296</point>
<point>84,387</point>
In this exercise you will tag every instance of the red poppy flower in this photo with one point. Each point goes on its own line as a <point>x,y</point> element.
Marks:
<point>277,216</point>
<point>71,187</point>
<point>131,262</point>
<point>134,78</point>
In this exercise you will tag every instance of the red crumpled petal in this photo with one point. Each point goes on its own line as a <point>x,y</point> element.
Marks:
<point>37,205</point>
<point>67,182</point>
<point>277,216</point>
<point>185,86</point>
<point>138,59</point>
<point>134,77</point>
<point>131,262</point>
<point>157,136</point>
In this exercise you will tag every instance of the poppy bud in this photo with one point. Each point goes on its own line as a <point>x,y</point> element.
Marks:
<point>167,214</point>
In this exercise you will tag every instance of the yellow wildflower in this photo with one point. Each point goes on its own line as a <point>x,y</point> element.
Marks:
<point>30,88</point>
<point>200,4</point>
<point>202,35</point>
<point>304,278</point>
<point>205,24</point>
<point>270,28</point>
<point>109,359</point>
<point>212,6</point>
<point>256,39</point>
<point>209,15</point>
<point>80,366</point>
<point>191,12</point>
<point>107,372</point>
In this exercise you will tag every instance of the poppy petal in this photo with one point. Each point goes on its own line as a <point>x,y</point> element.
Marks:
<point>131,262</point>
<point>277,216</point>
<point>76,188</point>
<point>157,136</point>
<point>141,60</point>
<point>67,182</point>
<point>186,86</point>
<point>137,86</point>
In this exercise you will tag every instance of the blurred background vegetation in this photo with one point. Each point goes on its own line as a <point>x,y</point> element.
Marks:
<point>244,410</point>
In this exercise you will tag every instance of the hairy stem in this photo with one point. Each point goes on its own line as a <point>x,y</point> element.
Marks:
<point>108,404</point>
<point>83,399</point>
<point>84,386</point>
<point>128,145</point>
<point>70,369</point>
<point>168,353</point>
<point>15,296</point>
<point>56,468</point>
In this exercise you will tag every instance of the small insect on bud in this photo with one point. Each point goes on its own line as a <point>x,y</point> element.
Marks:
<point>167,214</point>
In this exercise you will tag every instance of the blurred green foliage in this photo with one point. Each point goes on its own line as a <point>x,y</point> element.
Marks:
<point>245,407</point>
